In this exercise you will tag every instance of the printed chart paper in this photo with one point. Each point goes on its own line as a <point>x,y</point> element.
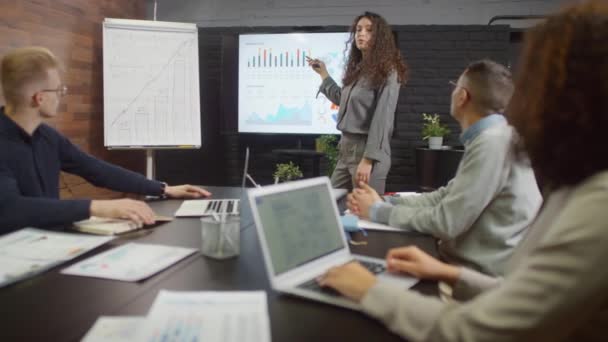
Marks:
<point>130,262</point>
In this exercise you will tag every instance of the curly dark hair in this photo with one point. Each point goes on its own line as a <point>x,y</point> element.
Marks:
<point>383,57</point>
<point>560,104</point>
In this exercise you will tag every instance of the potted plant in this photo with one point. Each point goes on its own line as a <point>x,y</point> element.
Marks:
<point>433,130</point>
<point>328,144</point>
<point>286,171</point>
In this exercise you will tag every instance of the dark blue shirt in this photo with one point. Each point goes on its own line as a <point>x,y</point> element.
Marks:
<point>29,177</point>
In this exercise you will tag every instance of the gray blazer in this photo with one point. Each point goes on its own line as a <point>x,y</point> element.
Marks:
<point>367,111</point>
<point>483,212</point>
<point>554,288</point>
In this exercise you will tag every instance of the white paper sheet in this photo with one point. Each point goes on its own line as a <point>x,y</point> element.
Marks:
<point>369,225</point>
<point>12,268</point>
<point>406,193</point>
<point>130,262</point>
<point>192,208</point>
<point>114,329</point>
<point>30,251</point>
<point>38,244</point>
<point>207,316</point>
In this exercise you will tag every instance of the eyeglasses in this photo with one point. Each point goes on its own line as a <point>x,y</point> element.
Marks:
<point>456,85</point>
<point>61,91</point>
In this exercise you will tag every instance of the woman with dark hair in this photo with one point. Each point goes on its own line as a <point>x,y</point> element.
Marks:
<point>374,73</point>
<point>555,287</point>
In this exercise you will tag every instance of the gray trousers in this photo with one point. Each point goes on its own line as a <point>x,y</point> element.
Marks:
<point>350,152</point>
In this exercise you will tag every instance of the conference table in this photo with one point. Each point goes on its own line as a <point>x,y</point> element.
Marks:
<point>57,307</point>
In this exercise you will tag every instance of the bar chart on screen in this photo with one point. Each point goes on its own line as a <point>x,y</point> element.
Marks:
<point>277,87</point>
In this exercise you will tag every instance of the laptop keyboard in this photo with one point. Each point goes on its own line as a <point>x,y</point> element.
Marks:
<point>220,206</point>
<point>312,284</point>
<point>373,267</point>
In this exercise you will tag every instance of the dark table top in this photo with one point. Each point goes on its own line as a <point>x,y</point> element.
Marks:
<point>57,307</point>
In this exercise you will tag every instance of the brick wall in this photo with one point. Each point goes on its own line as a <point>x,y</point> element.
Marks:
<point>72,30</point>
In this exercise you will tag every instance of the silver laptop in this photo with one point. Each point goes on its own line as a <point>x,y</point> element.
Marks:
<point>208,207</point>
<point>301,236</point>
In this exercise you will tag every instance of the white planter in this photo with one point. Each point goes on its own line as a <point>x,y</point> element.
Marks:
<point>435,143</point>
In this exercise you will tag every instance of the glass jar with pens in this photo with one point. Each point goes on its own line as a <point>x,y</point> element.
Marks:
<point>220,236</point>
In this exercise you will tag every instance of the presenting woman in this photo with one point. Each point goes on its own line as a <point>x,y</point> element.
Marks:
<point>374,73</point>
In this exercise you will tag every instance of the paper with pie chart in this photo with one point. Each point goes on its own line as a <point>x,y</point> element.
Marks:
<point>129,262</point>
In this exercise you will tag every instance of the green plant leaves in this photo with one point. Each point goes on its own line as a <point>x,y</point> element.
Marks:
<point>432,126</point>
<point>287,171</point>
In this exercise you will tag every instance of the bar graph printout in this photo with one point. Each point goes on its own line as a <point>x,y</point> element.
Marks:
<point>207,316</point>
<point>114,329</point>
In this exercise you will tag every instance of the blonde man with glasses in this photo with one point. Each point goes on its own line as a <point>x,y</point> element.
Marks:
<point>482,213</point>
<point>33,154</point>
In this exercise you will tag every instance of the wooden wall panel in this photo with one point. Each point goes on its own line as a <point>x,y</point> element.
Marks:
<point>72,30</point>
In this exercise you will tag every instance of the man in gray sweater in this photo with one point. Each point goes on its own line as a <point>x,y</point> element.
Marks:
<point>483,212</point>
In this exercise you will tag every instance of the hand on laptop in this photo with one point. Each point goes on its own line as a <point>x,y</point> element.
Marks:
<point>351,280</point>
<point>186,191</point>
<point>361,199</point>
<point>414,261</point>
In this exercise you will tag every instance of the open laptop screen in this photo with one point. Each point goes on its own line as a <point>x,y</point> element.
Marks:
<point>299,225</point>
<point>245,169</point>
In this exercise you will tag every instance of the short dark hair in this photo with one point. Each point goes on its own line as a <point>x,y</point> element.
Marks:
<point>560,105</point>
<point>491,85</point>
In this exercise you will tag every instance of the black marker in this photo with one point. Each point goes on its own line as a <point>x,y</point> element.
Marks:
<point>314,65</point>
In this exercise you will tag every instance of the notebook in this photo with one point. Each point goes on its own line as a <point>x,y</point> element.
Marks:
<point>111,226</point>
<point>301,237</point>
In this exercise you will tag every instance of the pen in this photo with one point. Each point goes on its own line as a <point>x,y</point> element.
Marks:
<point>38,239</point>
